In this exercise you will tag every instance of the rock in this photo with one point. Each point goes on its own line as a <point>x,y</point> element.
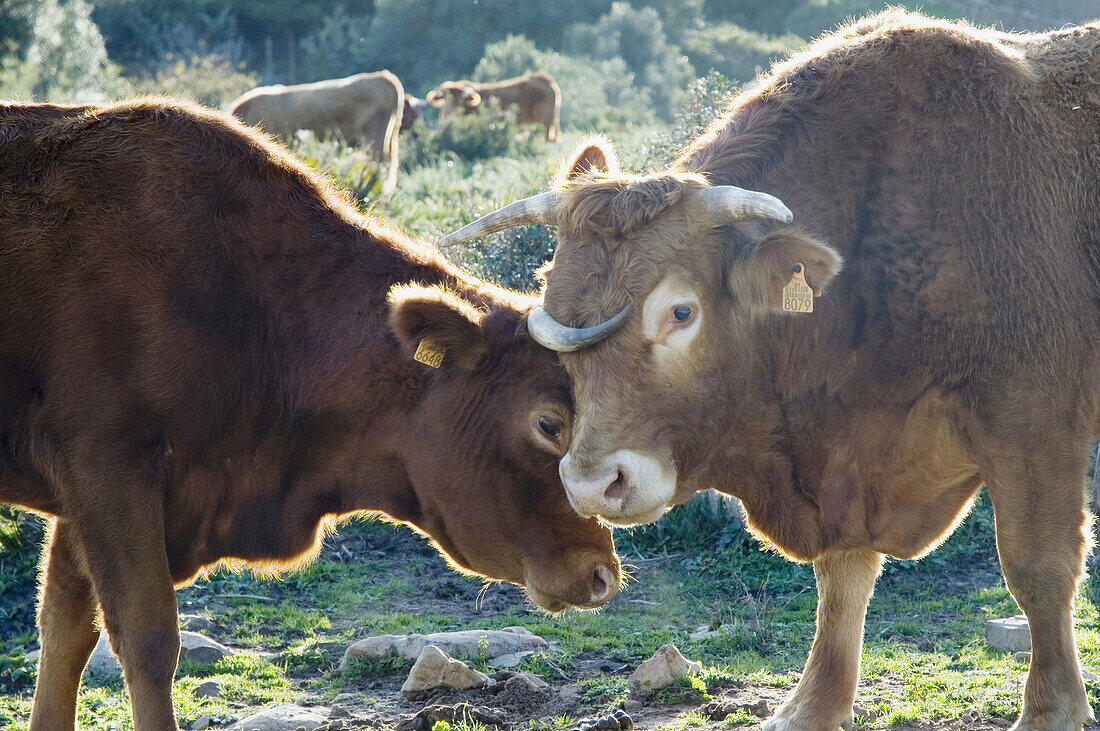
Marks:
<point>466,644</point>
<point>511,660</point>
<point>196,623</point>
<point>338,711</point>
<point>571,695</point>
<point>200,723</point>
<point>282,718</point>
<point>436,669</point>
<point>103,659</point>
<point>631,706</point>
<point>662,670</point>
<point>461,713</point>
<point>525,688</point>
<point>704,632</point>
<point>1024,657</point>
<point>1008,635</point>
<point>209,689</point>
<point>198,648</point>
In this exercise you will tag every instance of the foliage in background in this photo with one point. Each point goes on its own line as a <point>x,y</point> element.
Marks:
<point>637,36</point>
<point>210,80</point>
<point>735,52</point>
<point>490,132</point>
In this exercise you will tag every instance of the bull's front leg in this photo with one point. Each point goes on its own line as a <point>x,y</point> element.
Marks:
<point>67,631</point>
<point>823,699</point>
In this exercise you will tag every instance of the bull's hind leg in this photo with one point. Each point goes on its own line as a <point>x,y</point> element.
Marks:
<point>1039,503</point>
<point>823,699</point>
<point>67,631</point>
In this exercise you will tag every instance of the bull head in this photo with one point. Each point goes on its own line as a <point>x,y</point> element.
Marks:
<point>722,205</point>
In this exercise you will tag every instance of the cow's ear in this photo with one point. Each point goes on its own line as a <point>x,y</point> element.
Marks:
<point>758,276</point>
<point>437,327</point>
<point>594,155</point>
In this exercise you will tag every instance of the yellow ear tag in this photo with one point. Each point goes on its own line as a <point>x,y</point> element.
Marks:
<point>797,295</point>
<point>429,353</point>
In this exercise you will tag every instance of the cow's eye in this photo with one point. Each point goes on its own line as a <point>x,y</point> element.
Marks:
<point>682,313</point>
<point>550,427</point>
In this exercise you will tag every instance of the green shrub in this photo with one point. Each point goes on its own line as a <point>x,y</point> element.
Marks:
<point>209,80</point>
<point>511,257</point>
<point>353,169</point>
<point>734,52</point>
<point>490,132</point>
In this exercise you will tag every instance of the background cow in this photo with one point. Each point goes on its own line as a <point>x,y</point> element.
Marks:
<point>536,97</point>
<point>413,110</point>
<point>366,109</point>
<point>207,354</point>
<point>945,184</point>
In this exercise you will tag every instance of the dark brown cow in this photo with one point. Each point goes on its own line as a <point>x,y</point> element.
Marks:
<point>366,109</point>
<point>207,354</point>
<point>956,174</point>
<point>535,96</point>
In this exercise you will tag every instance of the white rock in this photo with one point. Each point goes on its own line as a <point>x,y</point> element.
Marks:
<point>663,669</point>
<point>282,718</point>
<point>466,644</point>
<point>511,660</point>
<point>196,622</point>
<point>199,648</point>
<point>1008,635</point>
<point>436,669</point>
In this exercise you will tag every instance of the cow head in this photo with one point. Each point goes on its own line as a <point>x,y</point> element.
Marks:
<point>452,96</point>
<point>656,293</point>
<point>491,426</point>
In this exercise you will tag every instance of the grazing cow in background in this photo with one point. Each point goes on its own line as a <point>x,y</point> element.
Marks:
<point>207,355</point>
<point>945,187</point>
<point>366,109</point>
<point>535,96</point>
<point>413,110</point>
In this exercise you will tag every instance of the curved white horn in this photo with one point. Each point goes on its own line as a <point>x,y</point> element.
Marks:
<point>551,334</point>
<point>730,204</point>
<point>536,209</point>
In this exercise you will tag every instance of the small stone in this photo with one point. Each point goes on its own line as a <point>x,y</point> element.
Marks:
<point>1024,657</point>
<point>1008,635</point>
<point>196,623</point>
<point>571,695</point>
<point>663,669</point>
<point>607,722</point>
<point>200,723</point>
<point>466,644</point>
<point>338,711</point>
<point>630,705</point>
<point>209,689</point>
<point>435,669</point>
<point>198,648</point>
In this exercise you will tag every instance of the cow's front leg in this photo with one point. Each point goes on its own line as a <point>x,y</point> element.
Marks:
<point>823,699</point>
<point>67,631</point>
<point>122,532</point>
<point>1041,542</point>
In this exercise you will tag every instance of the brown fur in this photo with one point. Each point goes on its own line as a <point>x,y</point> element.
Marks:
<point>945,183</point>
<point>366,109</point>
<point>205,356</point>
<point>536,97</point>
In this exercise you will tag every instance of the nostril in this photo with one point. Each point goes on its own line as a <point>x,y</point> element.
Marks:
<point>617,489</point>
<point>604,586</point>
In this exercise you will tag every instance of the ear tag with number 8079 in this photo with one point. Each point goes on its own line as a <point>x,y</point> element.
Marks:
<point>797,295</point>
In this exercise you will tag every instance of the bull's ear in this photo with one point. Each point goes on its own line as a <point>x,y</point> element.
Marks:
<point>594,155</point>
<point>757,277</point>
<point>438,326</point>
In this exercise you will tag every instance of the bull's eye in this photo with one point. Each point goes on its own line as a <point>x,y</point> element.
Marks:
<point>550,427</point>
<point>682,313</point>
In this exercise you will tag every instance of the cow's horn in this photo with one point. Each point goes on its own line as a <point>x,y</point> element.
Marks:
<point>551,334</point>
<point>730,204</point>
<point>536,209</point>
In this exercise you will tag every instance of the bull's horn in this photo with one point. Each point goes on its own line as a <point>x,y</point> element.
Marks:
<point>536,209</point>
<point>730,204</point>
<point>551,334</point>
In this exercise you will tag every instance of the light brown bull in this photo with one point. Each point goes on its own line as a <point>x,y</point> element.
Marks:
<point>945,189</point>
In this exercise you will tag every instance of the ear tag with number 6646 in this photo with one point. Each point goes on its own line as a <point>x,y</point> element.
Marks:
<point>797,295</point>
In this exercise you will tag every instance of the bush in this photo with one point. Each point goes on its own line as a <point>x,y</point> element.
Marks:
<point>490,132</point>
<point>511,257</point>
<point>339,48</point>
<point>352,168</point>
<point>708,97</point>
<point>637,37</point>
<point>209,80</point>
<point>66,60</point>
<point>734,52</point>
